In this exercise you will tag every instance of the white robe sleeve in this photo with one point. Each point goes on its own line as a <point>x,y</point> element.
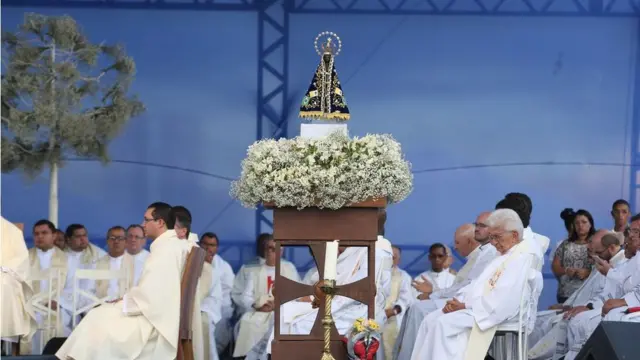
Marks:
<point>129,306</point>
<point>212,304</point>
<point>500,304</point>
<point>238,289</point>
<point>405,297</point>
<point>226,283</point>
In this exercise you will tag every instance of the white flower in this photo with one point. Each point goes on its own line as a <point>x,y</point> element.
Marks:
<point>331,172</point>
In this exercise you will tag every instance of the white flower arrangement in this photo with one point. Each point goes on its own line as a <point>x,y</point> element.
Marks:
<point>331,172</point>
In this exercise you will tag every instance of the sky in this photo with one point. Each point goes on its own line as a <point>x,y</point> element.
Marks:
<point>482,106</point>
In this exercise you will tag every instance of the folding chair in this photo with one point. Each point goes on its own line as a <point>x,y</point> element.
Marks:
<point>87,297</point>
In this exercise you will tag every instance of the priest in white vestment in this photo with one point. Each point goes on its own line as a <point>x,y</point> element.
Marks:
<point>224,329</point>
<point>18,321</point>
<point>246,272</point>
<point>258,299</point>
<point>549,328</point>
<point>134,246</point>
<point>81,254</point>
<point>399,300</point>
<point>622,290</point>
<point>438,276</point>
<point>115,260</point>
<point>144,324</point>
<point>464,328</point>
<point>470,241</point>
<point>210,292</point>
<point>43,256</point>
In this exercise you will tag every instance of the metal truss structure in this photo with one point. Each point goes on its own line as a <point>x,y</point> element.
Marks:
<point>273,17</point>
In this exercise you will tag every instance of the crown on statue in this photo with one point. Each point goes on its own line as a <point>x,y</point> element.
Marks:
<point>324,100</point>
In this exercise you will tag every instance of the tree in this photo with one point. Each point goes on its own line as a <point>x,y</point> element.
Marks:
<point>62,97</point>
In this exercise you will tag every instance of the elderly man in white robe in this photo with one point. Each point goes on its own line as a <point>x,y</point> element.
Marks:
<point>144,324</point>
<point>622,290</point>
<point>464,328</point>
<point>470,241</point>
<point>18,322</point>
<point>549,329</point>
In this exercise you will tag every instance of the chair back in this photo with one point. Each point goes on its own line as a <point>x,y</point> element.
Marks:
<point>86,299</point>
<point>188,286</point>
<point>50,325</point>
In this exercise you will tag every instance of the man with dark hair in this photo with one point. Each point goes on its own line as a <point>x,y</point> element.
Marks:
<point>60,239</point>
<point>223,329</point>
<point>144,324</point>
<point>437,276</point>
<point>81,254</point>
<point>521,204</point>
<point>44,256</point>
<point>135,247</point>
<point>620,212</point>
<point>183,220</point>
<point>115,260</point>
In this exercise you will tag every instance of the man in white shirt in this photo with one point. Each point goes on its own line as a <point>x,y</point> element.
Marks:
<point>622,290</point>
<point>620,212</point>
<point>43,256</point>
<point>115,260</point>
<point>81,254</point>
<point>223,330</point>
<point>467,323</point>
<point>471,241</point>
<point>145,323</point>
<point>550,329</point>
<point>136,241</point>
<point>439,277</point>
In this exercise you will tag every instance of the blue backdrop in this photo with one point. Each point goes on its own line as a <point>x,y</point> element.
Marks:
<point>482,106</point>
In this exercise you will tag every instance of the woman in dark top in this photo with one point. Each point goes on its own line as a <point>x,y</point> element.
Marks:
<point>571,263</point>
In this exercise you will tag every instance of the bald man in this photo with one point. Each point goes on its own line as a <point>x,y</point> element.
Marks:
<point>472,242</point>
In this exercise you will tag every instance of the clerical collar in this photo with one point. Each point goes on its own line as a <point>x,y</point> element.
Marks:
<point>619,256</point>
<point>482,247</point>
<point>40,251</point>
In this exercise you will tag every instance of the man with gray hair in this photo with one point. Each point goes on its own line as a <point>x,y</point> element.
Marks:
<point>470,241</point>
<point>467,323</point>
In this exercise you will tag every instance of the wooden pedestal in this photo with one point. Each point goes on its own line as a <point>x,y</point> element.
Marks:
<point>356,225</point>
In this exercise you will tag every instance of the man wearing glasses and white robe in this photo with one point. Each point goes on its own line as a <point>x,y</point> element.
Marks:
<point>466,325</point>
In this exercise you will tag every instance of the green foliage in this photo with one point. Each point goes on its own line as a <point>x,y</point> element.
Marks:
<point>62,96</point>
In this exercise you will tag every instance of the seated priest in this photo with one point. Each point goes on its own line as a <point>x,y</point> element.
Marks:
<point>464,328</point>
<point>549,328</point>
<point>257,299</point>
<point>470,241</point>
<point>439,277</point>
<point>18,323</point>
<point>398,301</point>
<point>143,324</point>
<point>298,317</point>
<point>117,260</point>
<point>621,291</point>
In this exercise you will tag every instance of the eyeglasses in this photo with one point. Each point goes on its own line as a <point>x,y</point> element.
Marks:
<point>135,237</point>
<point>271,248</point>
<point>116,238</point>
<point>146,220</point>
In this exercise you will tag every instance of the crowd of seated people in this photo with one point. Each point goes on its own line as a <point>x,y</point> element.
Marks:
<point>439,314</point>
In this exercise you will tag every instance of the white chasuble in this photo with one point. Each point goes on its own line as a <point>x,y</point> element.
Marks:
<point>144,325</point>
<point>466,334</point>
<point>254,324</point>
<point>114,289</point>
<point>18,319</point>
<point>476,263</point>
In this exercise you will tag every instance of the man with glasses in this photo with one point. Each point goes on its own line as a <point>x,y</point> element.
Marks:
<point>550,331</point>
<point>115,260</point>
<point>621,293</point>
<point>134,245</point>
<point>144,324</point>
<point>468,322</point>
